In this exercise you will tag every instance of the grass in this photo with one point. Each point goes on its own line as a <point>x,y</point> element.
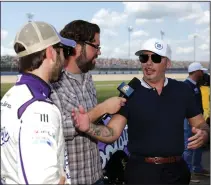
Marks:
<point>5,88</point>
<point>105,89</point>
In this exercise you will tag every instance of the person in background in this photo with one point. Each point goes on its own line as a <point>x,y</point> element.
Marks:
<point>193,157</point>
<point>32,141</point>
<point>204,85</point>
<point>155,116</point>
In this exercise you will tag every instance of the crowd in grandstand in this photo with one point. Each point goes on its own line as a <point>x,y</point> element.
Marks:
<point>10,63</point>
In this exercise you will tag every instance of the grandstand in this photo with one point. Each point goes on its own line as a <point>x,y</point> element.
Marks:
<point>106,65</point>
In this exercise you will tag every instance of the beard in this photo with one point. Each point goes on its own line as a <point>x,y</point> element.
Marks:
<point>56,71</point>
<point>85,64</point>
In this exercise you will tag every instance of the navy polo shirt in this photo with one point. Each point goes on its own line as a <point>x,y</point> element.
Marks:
<point>156,122</point>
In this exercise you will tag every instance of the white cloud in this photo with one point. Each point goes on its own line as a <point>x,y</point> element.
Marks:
<point>122,50</point>
<point>117,52</point>
<point>105,52</point>
<point>184,50</point>
<point>195,12</point>
<point>201,35</point>
<point>109,19</point>
<point>141,21</point>
<point>158,20</point>
<point>4,34</point>
<point>204,47</point>
<point>139,33</point>
<point>177,41</point>
<point>145,11</point>
<point>7,51</point>
<point>191,36</point>
<point>200,17</point>
<point>135,7</point>
<point>108,32</point>
<point>204,18</point>
<point>157,10</point>
<point>188,17</point>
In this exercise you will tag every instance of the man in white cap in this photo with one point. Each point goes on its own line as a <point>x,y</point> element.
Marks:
<point>193,157</point>
<point>32,142</point>
<point>155,116</point>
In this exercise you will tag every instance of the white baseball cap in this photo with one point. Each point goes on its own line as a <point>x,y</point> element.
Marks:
<point>37,36</point>
<point>156,46</point>
<point>195,66</point>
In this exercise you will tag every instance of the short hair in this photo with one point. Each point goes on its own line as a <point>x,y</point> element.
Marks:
<point>29,62</point>
<point>80,31</point>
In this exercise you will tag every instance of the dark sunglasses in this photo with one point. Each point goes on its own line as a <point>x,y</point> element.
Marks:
<point>94,46</point>
<point>143,58</point>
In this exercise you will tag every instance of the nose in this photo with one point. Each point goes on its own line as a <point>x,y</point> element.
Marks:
<point>98,52</point>
<point>149,62</point>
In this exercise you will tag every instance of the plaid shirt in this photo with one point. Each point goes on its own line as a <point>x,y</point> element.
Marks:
<point>84,158</point>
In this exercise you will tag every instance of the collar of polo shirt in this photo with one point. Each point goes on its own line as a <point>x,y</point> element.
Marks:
<point>144,84</point>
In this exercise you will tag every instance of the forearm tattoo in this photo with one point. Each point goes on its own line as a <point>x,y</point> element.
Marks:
<point>100,131</point>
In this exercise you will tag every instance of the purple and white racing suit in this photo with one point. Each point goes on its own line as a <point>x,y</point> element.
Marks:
<point>32,142</point>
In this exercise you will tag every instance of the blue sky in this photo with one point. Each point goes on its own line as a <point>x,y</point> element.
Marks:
<point>179,20</point>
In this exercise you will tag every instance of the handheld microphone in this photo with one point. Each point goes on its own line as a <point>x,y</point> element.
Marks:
<point>126,91</point>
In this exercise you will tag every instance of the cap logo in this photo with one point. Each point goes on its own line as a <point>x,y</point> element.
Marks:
<point>158,46</point>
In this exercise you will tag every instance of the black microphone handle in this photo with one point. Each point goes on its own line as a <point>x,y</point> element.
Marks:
<point>133,83</point>
<point>121,95</point>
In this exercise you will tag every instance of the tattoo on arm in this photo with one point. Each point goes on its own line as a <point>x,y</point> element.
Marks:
<point>100,130</point>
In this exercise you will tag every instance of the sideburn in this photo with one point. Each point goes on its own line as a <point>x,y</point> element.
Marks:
<point>82,62</point>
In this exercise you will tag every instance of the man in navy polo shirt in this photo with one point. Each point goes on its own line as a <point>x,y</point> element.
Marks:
<point>155,116</point>
<point>193,157</point>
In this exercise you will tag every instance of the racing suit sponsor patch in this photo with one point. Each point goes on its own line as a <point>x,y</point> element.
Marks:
<point>4,136</point>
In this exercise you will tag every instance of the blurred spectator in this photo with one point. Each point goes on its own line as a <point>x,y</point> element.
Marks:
<point>204,85</point>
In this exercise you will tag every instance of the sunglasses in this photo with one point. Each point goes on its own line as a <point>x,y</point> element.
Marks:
<point>94,46</point>
<point>143,58</point>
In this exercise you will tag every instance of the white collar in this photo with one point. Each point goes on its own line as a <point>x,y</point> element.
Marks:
<point>144,84</point>
<point>192,81</point>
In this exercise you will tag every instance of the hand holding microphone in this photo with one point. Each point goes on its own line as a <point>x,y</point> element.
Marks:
<point>83,119</point>
<point>126,91</point>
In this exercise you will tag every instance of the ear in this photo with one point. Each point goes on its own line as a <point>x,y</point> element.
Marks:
<point>168,65</point>
<point>49,52</point>
<point>78,49</point>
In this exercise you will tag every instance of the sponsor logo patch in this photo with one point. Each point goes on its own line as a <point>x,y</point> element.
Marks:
<point>4,136</point>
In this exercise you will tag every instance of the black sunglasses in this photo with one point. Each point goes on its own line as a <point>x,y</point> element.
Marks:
<point>94,46</point>
<point>143,58</point>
